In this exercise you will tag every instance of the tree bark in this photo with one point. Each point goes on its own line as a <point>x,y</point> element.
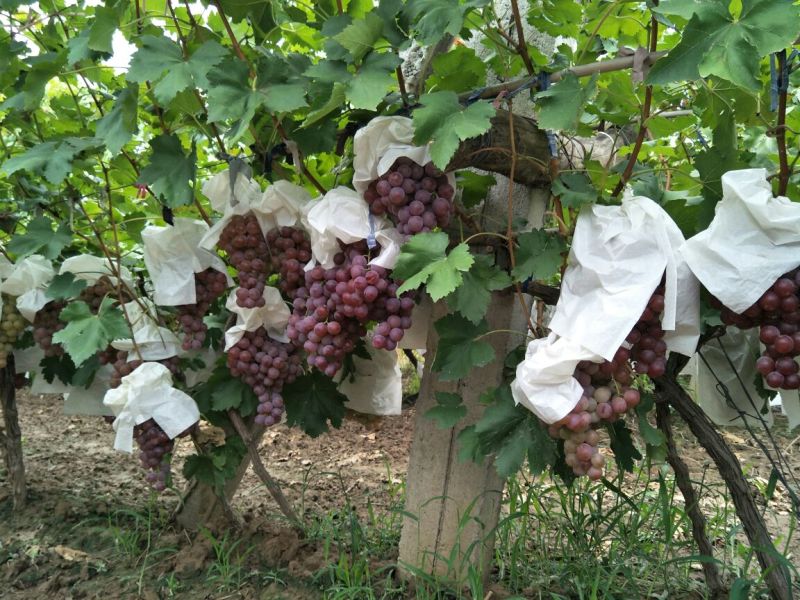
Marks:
<point>12,436</point>
<point>776,576</point>
<point>713,581</point>
<point>492,151</point>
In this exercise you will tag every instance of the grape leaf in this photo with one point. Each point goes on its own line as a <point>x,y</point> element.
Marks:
<point>538,255</point>
<point>651,435</point>
<point>474,187</point>
<point>65,286</point>
<point>359,37</point>
<point>561,105</point>
<point>574,189</point>
<point>457,70</point>
<point>86,333</point>
<point>374,77</point>
<point>311,401</point>
<point>158,55</point>
<point>443,122</point>
<point>217,464</point>
<point>58,366</point>
<point>513,434</point>
<point>170,171</point>
<point>622,446</point>
<point>715,42</point>
<point>102,28</point>
<point>422,260</point>
<point>53,159</point>
<point>42,69</point>
<point>435,18</point>
<point>448,411</point>
<point>459,351</point>
<point>472,297</point>
<point>39,238</point>
<point>232,394</point>
<point>119,124</point>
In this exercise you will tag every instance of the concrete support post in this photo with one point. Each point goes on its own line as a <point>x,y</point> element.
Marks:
<point>455,504</point>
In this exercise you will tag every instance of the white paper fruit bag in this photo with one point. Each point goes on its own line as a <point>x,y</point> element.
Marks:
<point>376,387</point>
<point>27,280</point>
<point>752,242</point>
<point>618,257</point>
<point>173,255</point>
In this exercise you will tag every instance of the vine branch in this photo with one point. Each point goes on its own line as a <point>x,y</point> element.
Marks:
<point>522,45</point>
<point>780,129</point>
<point>648,100</point>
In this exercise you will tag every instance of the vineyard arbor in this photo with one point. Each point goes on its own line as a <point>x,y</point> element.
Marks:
<point>515,100</point>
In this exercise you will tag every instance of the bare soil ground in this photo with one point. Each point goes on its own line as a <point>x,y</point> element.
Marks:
<point>92,529</point>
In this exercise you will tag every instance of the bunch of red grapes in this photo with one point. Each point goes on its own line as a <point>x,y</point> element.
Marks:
<point>46,322</point>
<point>265,365</point>
<point>209,285</point>
<point>777,314</point>
<point>289,250</point>
<point>248,253</point>
<point>332,309</point>
<point>607,394</point>
<point>417,198</point>
<point>155,446</point>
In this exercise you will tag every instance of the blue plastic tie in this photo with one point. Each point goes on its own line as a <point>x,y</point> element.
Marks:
<point>532,82</point>
<point>371,242</point>
<point>773,84</point>
<point>476,95</point>
<point>701,139</point>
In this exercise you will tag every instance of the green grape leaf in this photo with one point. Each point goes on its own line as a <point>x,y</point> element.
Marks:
<point>443,122</point>
<point>158,55</point>
<point>474,187</point>
<point>64,286</point>
<point>329,71</point>
<point>39,238</point>
<point>448,411</point>
<point>58,366</point>
<point>651,435</point>
<point>312,400</point>
<point>232,394</point>
<point>359,37</point>
<point>51,159</point>
<point>574,189</point>
<point>102,28</point>
<point>119,124</point>
<point>513,434</point>
<point>622,446</point>
<point>372,80</point>
<point>334,102</point>
<point>87,333</point>
<point>561,105</point>
<point>423,260</point>
<point>457,70</point>
<point>217,464</point>
<point>539,255</point>
<point>435,18</point>
<point>469,445</point>
<point>43,68</point>
<point>715,42</point>
<point>459,350</point>
<point>170,171</point>
<point>284,97</point>
<point>472,297</point>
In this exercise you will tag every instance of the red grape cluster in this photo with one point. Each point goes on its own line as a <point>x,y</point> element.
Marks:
<point>155,446</point>
<point>265,365</point>
<point>248,253</point>
<point>332,309</point>
<point>289,250</point>
<point>648,349</point>
<point>417,198</point>
<point>12,325</point>
<point>606,396</point>
<point>209,285</point>
<point>777,312</point>
<point>122,367</point>
<point>45,324</point>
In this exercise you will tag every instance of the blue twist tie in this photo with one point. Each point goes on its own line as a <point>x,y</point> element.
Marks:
<point>476,95</point>
<point>701,139</point>
<point>784,81</point>
<point>371,242</point>
<point>773,84</point>
<point>544,80</point>
<point>525,86</point>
